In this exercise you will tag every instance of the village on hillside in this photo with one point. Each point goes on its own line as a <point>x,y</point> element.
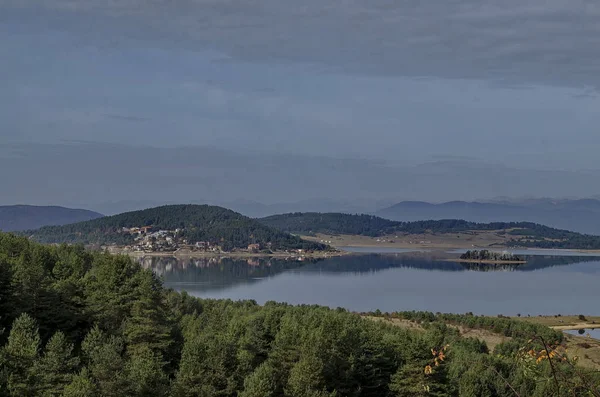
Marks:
<point>148,239</point>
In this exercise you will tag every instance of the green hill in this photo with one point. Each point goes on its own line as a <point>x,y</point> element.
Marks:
<point>206,223</point>
<point>520,234</point>
<point>331,223</point>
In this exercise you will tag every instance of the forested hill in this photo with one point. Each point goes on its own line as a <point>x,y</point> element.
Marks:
<point>78,323</point>
<point>207,223</point>
<point>23,217</point>
<point>523,234</point>
<point>332,223</point>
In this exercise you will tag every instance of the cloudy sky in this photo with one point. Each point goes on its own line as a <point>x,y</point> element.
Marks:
<point>393,83</point>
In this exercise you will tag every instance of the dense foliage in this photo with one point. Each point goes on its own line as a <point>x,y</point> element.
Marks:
<point>217,225</point>
<point>521,234</point>
<point>80,323</point>
<point>332,223</point>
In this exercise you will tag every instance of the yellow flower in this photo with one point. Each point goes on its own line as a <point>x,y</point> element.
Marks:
<point>428,370</point>
<point>539,359</point>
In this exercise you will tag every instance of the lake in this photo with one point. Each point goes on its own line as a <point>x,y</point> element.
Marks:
<point>546,285</point>
<point>592,333</point>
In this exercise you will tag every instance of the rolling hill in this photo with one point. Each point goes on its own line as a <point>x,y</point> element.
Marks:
<point>23,217</point>
<point>582,216</point>
<point>197,223</point>
<point>332,223</point>
<point>519,234</point>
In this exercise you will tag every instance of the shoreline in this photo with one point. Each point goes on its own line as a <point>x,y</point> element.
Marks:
<point>441,251</point>
<point>575,327</point>
<point>431,242</point>
<point>192,254</point>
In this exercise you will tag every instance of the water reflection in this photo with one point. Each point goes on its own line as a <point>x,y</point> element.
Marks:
<point>545,285</point>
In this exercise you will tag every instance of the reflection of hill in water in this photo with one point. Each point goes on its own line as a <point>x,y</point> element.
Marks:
<point>217,273</point>
<point>375,262</point>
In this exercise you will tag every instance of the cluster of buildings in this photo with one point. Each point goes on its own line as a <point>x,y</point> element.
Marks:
<point>149,239</point>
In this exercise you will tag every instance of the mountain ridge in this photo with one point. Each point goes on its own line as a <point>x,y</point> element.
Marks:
<point>14,218</point>
<point>581,215</point>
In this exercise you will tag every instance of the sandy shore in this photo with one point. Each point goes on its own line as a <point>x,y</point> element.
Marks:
<point>575,327</point>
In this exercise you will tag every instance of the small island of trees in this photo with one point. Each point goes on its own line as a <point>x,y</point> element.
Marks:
<point>485,255</point>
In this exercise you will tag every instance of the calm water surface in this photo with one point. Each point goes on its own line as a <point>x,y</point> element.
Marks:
<point>390,282</point>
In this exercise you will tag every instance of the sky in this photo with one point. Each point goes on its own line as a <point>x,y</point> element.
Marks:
<point>394,88</point>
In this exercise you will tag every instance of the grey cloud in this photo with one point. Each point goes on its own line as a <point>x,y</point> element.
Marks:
<point>512,42</point>
<point>125,117</point>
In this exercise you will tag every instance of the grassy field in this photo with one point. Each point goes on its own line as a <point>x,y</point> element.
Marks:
<point>490,338</point>
<point>482,239</point>
<point>585,348</point>
<point>564,322</point>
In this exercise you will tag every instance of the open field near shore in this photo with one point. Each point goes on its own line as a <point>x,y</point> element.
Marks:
<point>567,322</point>
<point>482,239</point>
<point>585,348</point>
<point>491,240</point>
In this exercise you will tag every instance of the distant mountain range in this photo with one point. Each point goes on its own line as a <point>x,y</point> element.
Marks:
<point>24,217</point>
<point>581,216</point>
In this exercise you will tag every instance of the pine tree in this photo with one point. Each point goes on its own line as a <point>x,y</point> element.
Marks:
<point>262,383</point>
<point>20,355</point>
<point>148,326</point>
<point>57,366</point>
<point>306,378</point>
<point>81,385</point>
<point>145,374</point>
<point>105,363</point>
<point>6,297</point>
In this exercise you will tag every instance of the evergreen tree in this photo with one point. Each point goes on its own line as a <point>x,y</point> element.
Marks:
<point>306,378</point>
<point>57,365</point>
<point>6,297</point>
<point>105,363</point>
<point>262,383</point>
<point>81,385</point>
<point>20,355</point>
<point>148,326</point>
<point>145,374</point>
